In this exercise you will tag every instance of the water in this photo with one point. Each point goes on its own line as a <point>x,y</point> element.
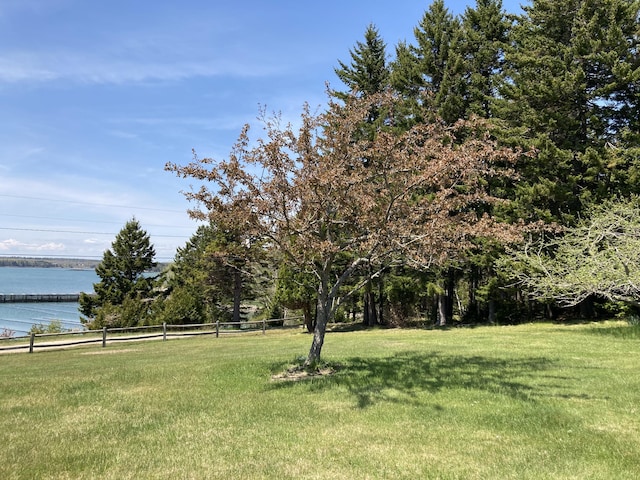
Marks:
<point>19,317</point>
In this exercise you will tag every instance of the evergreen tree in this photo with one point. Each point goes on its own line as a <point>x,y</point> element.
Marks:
<point>210,277</point>
<point>297,289</point>
<point>190,295</point>
<point>434,35</point>
<point>572,70</point>
<point>428,73</point>
<point>484,38</point>
<point>123,289</point>
<point>572,93</point>
<point>367,72</point>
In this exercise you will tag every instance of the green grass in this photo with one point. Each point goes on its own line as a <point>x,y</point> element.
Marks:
<point>525,402</point>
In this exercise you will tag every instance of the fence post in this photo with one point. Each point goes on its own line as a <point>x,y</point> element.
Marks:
<point>32,339</point>
<point>104,337</point>
<point>264,326</point>
<point>217,328</point>
<point>164,331</point>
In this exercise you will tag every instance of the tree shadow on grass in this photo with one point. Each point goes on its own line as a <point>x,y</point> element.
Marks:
<point>405,376</point>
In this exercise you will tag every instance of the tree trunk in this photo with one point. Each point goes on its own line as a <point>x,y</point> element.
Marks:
<point>442,310</point>
<point>381,316</point>
<point>473,309</point>
<point>237,295</point>
<point>445,299</point>
<point>370,314</point>
<point>323,315</point>
<point>450,289</point>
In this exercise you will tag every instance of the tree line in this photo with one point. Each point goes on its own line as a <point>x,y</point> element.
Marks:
<point>428,181</point>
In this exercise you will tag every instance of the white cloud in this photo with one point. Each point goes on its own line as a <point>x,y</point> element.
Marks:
<point>13,245</point>
<point>9,244</point>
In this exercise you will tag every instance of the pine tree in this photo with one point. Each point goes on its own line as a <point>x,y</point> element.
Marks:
<point>572,70</point>
<point>123,287</point>
<point>210,277</point>
<point>368,72</point>
<point>429,72</point>
<point>572,93</point>
<point>434,34</point>
<point>484,38</point>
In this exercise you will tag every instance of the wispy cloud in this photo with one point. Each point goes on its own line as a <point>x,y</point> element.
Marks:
<point>97,68</point>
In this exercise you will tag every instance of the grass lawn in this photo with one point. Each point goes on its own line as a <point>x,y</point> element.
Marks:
<point>524,402</point>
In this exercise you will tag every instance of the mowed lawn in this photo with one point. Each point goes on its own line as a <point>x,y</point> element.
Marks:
<point>535,401</point>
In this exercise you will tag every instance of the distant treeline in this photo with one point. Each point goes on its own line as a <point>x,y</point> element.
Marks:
<point>79,263</point>
<point>48,262</point>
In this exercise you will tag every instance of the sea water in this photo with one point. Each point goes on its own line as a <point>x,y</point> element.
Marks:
<point>19,317</point>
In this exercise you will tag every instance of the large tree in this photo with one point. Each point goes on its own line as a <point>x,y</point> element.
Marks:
<point>123,288</point>
<point>367,74</point>
<point>572,91</point>
<point>455,65</point>
<point>310,195</point>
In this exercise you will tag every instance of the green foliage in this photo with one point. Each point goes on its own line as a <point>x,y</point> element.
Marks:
<point>54,326</point>
<point>403,293</point>
<point>182,306</point>
<point>215,270</point>
<point>598,257</point>
<point>368,72</point>
<point>484,39</point>
<point>122,294</point>
<point>295,288</point>
<point>133,311</point>
<point>572,65</point>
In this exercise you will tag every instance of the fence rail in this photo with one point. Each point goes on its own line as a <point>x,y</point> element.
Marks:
<point>106,335</point>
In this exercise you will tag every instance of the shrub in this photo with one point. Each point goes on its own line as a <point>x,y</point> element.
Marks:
<point>54,326</point>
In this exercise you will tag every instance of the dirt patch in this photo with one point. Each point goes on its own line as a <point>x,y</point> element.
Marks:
<point>296,374</point>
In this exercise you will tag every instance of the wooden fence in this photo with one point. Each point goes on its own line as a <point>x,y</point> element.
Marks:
<point>164,331</point>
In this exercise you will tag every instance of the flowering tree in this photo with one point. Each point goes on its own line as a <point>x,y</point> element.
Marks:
<point>598,257</point>
<point>332,201</point>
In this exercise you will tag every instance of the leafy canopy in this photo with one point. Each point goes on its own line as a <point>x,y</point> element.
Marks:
<point>599,257</point>
<point>330,201</point>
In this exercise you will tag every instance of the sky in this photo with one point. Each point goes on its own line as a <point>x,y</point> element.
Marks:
<point>96,97</point>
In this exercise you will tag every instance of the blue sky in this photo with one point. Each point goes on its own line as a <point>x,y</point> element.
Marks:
<point>95,98</point>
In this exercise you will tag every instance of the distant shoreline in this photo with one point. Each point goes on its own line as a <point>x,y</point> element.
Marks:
<point>68,263</point>
<point>74,263</point>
